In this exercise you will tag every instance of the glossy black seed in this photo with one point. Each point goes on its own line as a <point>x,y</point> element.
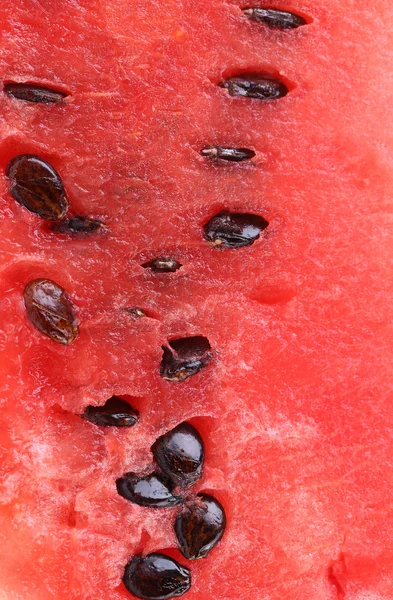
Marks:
<point>162,264</point>
<point>50,311</point>
<point>153,490</point>
<point>275,19</point>
<point>116,412</point>
<point>76,226</point>
<point>259,87</point>
<point>36,185</point>
<point>180,453</point>
<point>234,230</point>
<point>156,577</point>
<point>136,312</point>
<point>218,153</point>
<point>200,526</point>
<point>185,357</point>
<point>33,93</point>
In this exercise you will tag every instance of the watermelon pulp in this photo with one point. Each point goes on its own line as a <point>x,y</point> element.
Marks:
<point>295,409</point>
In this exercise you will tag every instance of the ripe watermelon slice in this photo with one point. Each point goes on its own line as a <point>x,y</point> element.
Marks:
<point>290,380</point>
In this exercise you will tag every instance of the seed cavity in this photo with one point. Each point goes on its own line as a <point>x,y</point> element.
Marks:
<point>50,311</point>
<point>36,185</point>
<point>116,412</point>
<point>185,357</point>
<point>76,226</point>
<point>199,526</point>
<point>275,19</point>
<point>156,577</point>
<point>234,230</point>
<point>218,153</point>
<point>256,86</point>
<point>180,454</point>
<point>34,93</point>
<point>154,490</point>
<point>162,264</point>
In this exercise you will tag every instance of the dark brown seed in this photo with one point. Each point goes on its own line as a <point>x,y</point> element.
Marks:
<point>180,453</point>
<point>259,87</point>
<point>33,93</point>
<point>36,185</point>
<point>154,490</point>
<point>50,311</point>
<point>234,230</point>
<point>275,19</point>
<point>156,577</point>
<point>162,264</point>
<point>76,226</point>
<point>135,312</point>
<point>185,357</point>
<point>218,153</point>
<point>116,412</point>
<point>200,526</point>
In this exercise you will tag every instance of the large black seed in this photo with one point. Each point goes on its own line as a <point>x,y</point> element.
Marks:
<point>153,490</point>
<point>259,87</point>
<point>218,153</point>
<point>234,230</point>
<point>33,93</point>
<point>116,412</point>
<point>156,577</point>
<point>76,226</point>
<point>180,453</point>
<point>185,357</point>
<point>275,19</point>
<point>200,526</point>
<point>50,311</point>
<point>36,185</point>
<point>162,264</point>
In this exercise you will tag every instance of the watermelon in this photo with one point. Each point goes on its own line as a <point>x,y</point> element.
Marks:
<point>196,227</point>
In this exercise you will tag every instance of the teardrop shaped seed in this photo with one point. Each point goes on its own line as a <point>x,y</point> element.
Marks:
<point>153,490</point>
<point>275,19</point>
<point>76,226</point>
<point>227,154</point>
<point>180,453</point>
<point>36,185</point>
<point>200,526</point>
<point>33,93</point>
<point>156,577</point>
<point>116,412</point>
<point>162,264</point>
<point>50,311</point>
<point>234,230</point>
<point>259,87</point>
<point>185,357</point>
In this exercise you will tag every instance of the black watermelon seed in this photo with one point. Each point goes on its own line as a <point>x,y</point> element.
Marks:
<point>33,93</point>
<point>234,230</point>
<point>50,311</point>
<point>116,412</point>
<point>259,87</point>
<point>153,490</point>
<point>162,264</point>
<point>185,357</point>
<point>36,185</point>
<point>136,312</point>
<point>275,19</point>
<point>156,577</point>
<point>76,226</point>
<point>218,153</point>
<point>180,453</point>
<point>199,526</point>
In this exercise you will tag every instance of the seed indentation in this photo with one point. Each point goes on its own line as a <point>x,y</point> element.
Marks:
<point>34,93</point>
<point>76,226</point>
<point>256,86</point>
<point>116,412</point>
<point>218,153</point>
<point>162,264</point>
<point>156,577</point>
<point>275,19</point>
<point>234,230</point>
<point>153,490</point>
<point>185,357</point>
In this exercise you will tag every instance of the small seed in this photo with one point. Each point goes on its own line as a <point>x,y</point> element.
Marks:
<point>50,311</point>
<point>275,19</point>
<point>234,230</point>
<point>162,264</point>
<point>36,185</point>
<point>219,153</point>
<point>135,312</point>
<point>200,526</point>
<point>180,453</point>
<point>116,412</point>
<point>33,93</point>
<point>154,490</point>
<point>156,577</point>
<point>255,86</point>
<point>185,357</point>
<point>76,226</point>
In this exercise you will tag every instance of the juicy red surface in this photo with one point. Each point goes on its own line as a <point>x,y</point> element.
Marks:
<point>295,409</point>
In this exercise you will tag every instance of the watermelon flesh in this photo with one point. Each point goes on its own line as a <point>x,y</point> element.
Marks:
<point>295,407</point>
